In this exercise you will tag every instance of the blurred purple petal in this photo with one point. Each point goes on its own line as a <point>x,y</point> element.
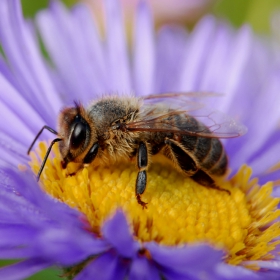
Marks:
<point>171,49</point>
<point>117,52</point>
<point>55,27</point>
<point>196,52</point>
<point>144,52</point>
<point>189,262</point>
<point>142,268</point>
<point>271,265</point>
<point>31,73</point>
<point>106,267</point>
<point>9,253</point>
<point>10,99</point>
<point>44,224</point>
<point>260,162</point>
<point>228,272</point>
<point>12,152</point>
<point>9,234</point>
<point>116,231</point>
<point>59,251</point>
<point>92,49</point>
<point>23,269</point>
<point>192,257</point>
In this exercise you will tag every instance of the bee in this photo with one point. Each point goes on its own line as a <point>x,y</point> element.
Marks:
<point>127,127</point>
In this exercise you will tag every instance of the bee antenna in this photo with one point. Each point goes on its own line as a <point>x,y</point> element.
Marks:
<point>39,133</point>
<point>46,157</point>
<point>78,106</point>
<point>77,103</point>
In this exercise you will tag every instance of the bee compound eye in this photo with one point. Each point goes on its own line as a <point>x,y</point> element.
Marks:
<point>91,154</point>
<point>78,135</point>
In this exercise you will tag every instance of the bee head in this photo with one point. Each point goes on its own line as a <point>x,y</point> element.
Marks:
<point>78,134</point>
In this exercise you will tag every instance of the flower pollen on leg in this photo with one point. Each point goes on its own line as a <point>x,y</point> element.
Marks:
<point>179,211</point>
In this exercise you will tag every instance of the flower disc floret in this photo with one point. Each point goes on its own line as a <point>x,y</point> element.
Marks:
<point>180,211</point>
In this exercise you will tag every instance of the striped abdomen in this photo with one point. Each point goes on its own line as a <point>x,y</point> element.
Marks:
<point>206,153</point>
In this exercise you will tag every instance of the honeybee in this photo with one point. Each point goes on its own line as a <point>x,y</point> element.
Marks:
<point>126,127</point>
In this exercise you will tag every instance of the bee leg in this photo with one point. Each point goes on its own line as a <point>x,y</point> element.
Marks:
<point>189,167</point>
<point>181,158</point>
<point>205,180</point>
<point>141,181</point>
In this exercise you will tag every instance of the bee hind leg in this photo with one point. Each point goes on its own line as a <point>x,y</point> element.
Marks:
<point>186,163</point>
<point>141,181</point>
<point>204,179</point>
<point>181,158</point>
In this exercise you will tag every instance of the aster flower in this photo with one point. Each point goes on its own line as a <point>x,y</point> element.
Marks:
<point>90,224</point>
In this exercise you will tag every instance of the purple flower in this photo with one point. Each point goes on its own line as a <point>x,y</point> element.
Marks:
<point>44,231</point>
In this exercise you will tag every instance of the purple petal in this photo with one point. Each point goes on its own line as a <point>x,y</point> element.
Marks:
<point>142,268</point>
<point>271,265</point>
<point>92,49</point>
<point>23,269</point>
<point>187,259</point>
<point>55,26</point>
<point>171,49</point>
<point>171,274</point>
<point>12,151</point>
<point>144,51</point>
<point>261,165</point>
<point>60,239</point>
<point>117,53</point>
<point>9,234</point>
<point>65,249</point>
<point>105,267</point>
<point>235,70</point>
<point>212,78</point>
<point>13,253</point>
<point>116,231</point>
<point>229,272</point>
<point>16,123</point>
<point>23,196</point>
<point>197,50</point>
<point>266,105</point>
<point>26,61</point>
<point>14,107</point>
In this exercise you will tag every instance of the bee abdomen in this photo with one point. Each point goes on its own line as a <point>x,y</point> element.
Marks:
<point>190,142</point>
<point>208,152</point>
<point>215,161</point>
<point>221,166</point>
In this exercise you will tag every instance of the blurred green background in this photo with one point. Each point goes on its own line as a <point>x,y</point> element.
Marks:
<point>257,13</point>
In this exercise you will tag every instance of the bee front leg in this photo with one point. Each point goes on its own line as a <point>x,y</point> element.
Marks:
<point>141,181</point>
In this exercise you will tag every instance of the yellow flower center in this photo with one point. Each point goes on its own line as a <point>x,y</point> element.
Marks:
<point>179,210</point>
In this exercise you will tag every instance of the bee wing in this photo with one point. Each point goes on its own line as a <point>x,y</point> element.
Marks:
<point>175,95</point>
<point>188,101</point>
<point>155,115</point>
